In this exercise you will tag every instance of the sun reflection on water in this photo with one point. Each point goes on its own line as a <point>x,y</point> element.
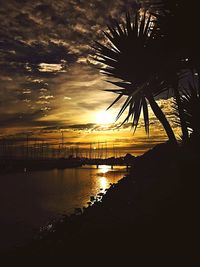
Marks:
<point>104,168</point>
<point>103,182</point>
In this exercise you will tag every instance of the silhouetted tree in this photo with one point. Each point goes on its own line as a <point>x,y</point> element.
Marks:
<point>132,55</point>
<point>179,26</point>
<point>190,100</point>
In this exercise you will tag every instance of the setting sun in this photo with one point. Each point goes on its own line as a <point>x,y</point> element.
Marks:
<point>104,117</point>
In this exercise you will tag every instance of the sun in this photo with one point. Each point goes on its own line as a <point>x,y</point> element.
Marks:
<point>104,117</point>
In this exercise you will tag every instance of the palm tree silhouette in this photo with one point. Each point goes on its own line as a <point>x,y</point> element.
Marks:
<point>179,24</point>
<point>190,100</point>
<point>132,56</point>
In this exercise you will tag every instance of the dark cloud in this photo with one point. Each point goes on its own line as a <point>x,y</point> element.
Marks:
<point>80,127</point>
<point>24,20</point>
<point>19,119</point>
<point>19,56</point>
<point>87,126</point>
<point>44,9</point>
<point>66,126</point>
<point>35,85</point>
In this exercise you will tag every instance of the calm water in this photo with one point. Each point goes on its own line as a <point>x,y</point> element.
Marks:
<point>29,200</point>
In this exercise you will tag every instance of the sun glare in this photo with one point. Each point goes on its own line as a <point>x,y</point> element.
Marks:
<point>104,168</point>
<point>104,117</point>
<point>103,183</point>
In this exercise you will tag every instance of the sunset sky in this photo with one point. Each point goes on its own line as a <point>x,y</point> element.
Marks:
<point>48,80</point>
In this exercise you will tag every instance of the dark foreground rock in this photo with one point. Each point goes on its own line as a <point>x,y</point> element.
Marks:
<point>151,212</point>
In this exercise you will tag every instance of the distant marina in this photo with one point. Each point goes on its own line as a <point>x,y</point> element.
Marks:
<point>26,156</point>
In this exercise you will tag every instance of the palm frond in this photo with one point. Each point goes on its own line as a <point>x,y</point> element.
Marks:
<point>124,106</point>
<point>115,101</point>
<point>146,115</point>
<point>142,26</point>
<point>190,101</point>
<point>136,112</point>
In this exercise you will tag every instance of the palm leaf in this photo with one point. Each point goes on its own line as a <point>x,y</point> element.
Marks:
<point>190,101</point>
<point>147,26</point>
<point>142,26</point>
<point>124,106</point>
<point>136,111</point>
<point>128,24</point>
<point>146,115</point>
<point>130,112</point>
<point>135,28</point>
<point>115,101</point>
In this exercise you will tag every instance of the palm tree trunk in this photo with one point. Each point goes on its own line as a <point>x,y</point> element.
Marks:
<point>161,117</point>
<point>181,112</point>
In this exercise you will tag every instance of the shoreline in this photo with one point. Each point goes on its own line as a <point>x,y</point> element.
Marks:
<point>25,165</point>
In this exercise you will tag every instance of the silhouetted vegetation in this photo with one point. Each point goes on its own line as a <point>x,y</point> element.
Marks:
<point>190,101</point>
<point>134,58</point>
